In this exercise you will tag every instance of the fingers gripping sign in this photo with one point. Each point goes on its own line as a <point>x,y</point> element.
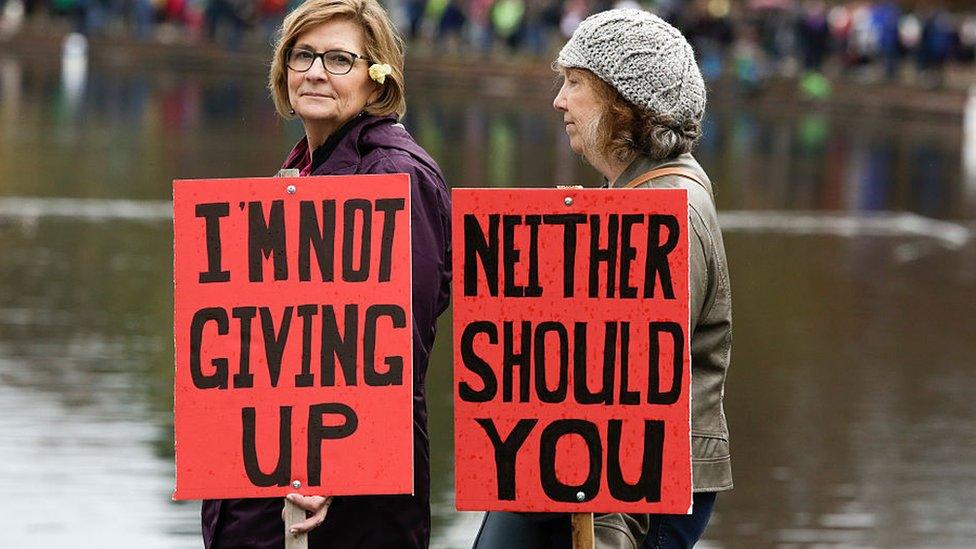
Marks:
<point>314,509</point>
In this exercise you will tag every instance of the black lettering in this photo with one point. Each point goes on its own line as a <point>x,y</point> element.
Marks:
<point>654,393</point>
<point>648,485</point>
<point>394,371</point>
<point>281,475</point>
<point>606,255</point>
<point>476,365</point>
<point>551,485</point>
<point>265,239</point>
<point>318,431</point>
<point>512,359</point>
<point>244,378</point>
<point>533,289</point>
<point>627,253</point>
<point>306,312</point>
<point>657,255</point>
<point>335,345</point>
<point>581,389</point>
<point>349,233</point>
<point>389,207</point>
<point>320,237</point>
<point>627,396</point>
<point>217,380</point>
<point>274,342</point>
<point>212,214</point>
<point>478,246</point>
<point>506,452</point>
<point>562,376</point>
<point>569,222</point>
<point>510,255</point>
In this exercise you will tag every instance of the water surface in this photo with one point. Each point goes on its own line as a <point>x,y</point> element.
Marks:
<point>849,236</point>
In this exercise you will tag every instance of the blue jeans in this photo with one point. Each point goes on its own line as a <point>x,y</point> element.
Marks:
<point>553,530</point>
<point>680,531</point>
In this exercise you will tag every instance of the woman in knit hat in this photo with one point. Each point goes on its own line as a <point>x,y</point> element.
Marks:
<point>632,101</point>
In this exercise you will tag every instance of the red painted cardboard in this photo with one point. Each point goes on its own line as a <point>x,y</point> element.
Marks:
<point>360,427</point>
<point>554,446</point>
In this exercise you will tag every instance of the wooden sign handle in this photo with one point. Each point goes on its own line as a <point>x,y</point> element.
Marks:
<point>582,522</point>
<point>294,514</point>
<point>583,531</point>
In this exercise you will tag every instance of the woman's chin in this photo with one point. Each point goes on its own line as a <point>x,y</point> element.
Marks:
<point>577,147</point>
<point>317,113</point>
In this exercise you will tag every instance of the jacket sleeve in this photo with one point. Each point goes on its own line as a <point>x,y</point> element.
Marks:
<point>701,253</point>
<point>430,219</point>
<point>699,272</point>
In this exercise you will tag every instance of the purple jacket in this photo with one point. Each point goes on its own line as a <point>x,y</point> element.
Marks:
<point>370,145</point>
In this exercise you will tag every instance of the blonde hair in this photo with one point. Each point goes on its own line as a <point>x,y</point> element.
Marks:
<point>381,42</point>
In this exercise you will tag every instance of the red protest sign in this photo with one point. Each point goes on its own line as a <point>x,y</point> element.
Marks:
<point>293,336</point>
<point>571,350</point>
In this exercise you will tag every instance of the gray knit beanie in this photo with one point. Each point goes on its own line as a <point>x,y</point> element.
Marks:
<point>643,57</point>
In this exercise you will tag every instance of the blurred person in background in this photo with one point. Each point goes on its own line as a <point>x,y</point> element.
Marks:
<point>574,11</point>
<point>415,17</point>
<point>235,15</point>
<point>708,30</point>
<point>450,26</point>
<point>967,40</point>
<point>338,67</point>
<point>632,101</point>
<point>886,17</point>
<point>507,17</point>
<point>272,13</point>
<point>935,44</point>
<point>480,33</point>
<point>813,35</point>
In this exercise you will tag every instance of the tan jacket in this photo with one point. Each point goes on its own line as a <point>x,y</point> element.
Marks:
<point>711,343</point>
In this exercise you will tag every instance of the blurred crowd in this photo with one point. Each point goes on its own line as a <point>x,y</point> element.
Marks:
<point>750,39</point>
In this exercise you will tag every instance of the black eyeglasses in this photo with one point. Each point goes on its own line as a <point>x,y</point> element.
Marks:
<point>337,62</point>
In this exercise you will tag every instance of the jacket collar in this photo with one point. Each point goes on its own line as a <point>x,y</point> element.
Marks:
<point>643,164</point>
<point>322,154</point>
<point>346,153</point>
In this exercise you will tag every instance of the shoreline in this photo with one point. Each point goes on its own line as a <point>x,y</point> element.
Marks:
<point>521,76</point>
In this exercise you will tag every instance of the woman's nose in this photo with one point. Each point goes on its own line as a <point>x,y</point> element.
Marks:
<point>317,70</point>
<point>559,102</point>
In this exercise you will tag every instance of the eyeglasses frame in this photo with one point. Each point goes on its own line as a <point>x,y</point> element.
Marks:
<point>321,56</point>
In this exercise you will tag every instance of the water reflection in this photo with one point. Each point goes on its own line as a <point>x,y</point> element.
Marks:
<point>74,69</point>
<point>11,75</point>
<point>969,146</point>
<point>86,368</point>
<point>850,393</point>
<point>204,124</point>
<point>834,419</point>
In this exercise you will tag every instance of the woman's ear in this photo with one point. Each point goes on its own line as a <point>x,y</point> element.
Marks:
<point>375,96</point>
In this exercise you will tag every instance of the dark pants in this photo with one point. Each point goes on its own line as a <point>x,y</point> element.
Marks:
<point>502,530</point>
<point>680,531</point>
<point>553,530</point>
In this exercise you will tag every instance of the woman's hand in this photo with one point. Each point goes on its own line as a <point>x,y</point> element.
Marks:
<point>315,508</point>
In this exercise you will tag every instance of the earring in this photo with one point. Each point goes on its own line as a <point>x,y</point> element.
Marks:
<point>291,112</point>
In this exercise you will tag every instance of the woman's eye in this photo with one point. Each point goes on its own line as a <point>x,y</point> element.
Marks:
<point>302,55</point>
<point>340,59</point>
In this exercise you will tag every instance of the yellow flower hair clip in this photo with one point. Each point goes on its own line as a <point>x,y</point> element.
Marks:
<point>378,72</point>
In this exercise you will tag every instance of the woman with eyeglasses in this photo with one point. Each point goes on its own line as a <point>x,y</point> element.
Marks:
<point>338,67</point>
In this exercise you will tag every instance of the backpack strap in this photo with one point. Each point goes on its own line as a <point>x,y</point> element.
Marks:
<point>661,172</point>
